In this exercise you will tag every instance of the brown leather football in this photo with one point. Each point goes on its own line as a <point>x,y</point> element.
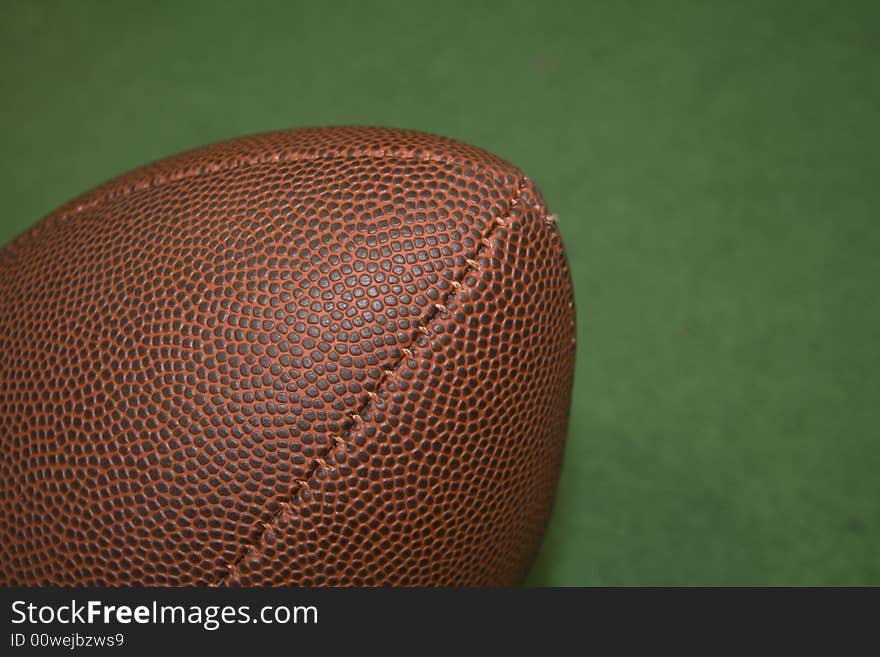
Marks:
<point>334,356</point>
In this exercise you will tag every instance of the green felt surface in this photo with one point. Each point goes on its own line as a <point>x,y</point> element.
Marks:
<point>714,166</point>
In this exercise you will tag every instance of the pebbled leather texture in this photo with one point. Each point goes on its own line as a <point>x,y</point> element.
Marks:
<point>336,356</point>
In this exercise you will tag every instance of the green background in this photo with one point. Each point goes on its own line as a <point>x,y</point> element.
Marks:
<point>714,166</point>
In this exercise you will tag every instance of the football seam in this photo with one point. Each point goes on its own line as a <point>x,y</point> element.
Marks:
<point>185,173</point>
<point>355,418</point>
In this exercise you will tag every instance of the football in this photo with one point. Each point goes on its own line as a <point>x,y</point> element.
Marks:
<point>319,357</point>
